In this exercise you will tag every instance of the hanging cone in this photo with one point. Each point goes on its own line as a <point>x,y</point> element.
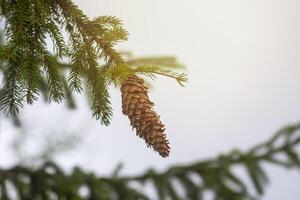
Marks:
<point>139,109</point>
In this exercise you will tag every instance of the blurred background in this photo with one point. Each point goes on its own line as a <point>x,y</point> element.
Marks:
<point>243,65</point>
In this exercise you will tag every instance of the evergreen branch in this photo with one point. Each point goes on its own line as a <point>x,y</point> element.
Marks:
<point>152,70</point>
<point>216,175</point>
<point>164,61</point>
<point>90,30</point>
<point>31,73</point>
<point>69,96</point>
<point>118,73</point>
<point>30,65</point>
<point>59,45</point>
<point>215,172</point>
<point>29,23</point>
<point>91,52</point>
<point>77,70</point>
<point>98,87</point>
<point>11,94</point>
<point>100,105</point>
<point>55,82</point>
<point>110,21</point>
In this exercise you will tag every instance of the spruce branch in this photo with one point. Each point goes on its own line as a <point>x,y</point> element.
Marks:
<point>152,70</point>
<point>90,29</point>
<point>12,92</point>
<point>27,26</point>
<point>149,66</point>
<point>55,79</point>
<point>215,175</point>
<point>165,61</point>
<point>88,44</point>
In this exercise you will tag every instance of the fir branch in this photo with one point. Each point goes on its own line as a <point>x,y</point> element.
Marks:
<point>98,87</point>
<point>153,70</point>
<point>90,50</point>
<point>12,93</point>
<point>214,173</point>
<point>90,30</point>
<point>55,81</point>
<point>69,96</point>
<point>118,73</point>
<point>77,70</point>
<point>100,105</point>
<point>164,61</point>
<point>29,23</point>
<point>59,45</point>
<point>217,176</point>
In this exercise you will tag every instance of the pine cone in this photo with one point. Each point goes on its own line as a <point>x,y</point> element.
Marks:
<point>139,109</point>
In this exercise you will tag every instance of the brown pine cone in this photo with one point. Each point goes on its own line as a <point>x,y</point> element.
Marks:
<point>139,109</point>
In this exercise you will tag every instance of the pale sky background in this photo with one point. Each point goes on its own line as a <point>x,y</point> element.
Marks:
<point>243,63</point>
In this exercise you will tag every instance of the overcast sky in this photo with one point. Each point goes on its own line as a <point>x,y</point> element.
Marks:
<point>243,63</point>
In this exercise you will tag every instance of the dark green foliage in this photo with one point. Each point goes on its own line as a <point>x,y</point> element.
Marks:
<point>88,44</point>
<point>216,175</point>
<point>27,25</point>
